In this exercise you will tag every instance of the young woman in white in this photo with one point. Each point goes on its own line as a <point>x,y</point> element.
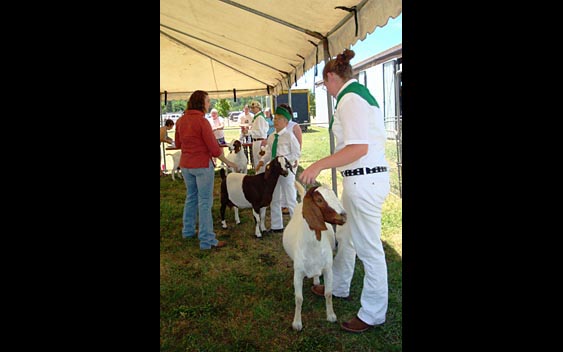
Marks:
<point>360,137</point>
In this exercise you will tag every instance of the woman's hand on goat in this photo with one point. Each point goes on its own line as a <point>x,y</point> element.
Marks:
<point>232,164</point>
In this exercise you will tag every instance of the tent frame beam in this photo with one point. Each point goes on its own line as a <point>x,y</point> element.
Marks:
<point>275,19</point>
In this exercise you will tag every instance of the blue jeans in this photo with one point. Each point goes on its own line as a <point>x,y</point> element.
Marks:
<point>199,196</point>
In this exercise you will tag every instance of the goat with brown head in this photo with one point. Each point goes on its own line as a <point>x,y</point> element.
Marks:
<point>320,206</point>
<point>309,242</point>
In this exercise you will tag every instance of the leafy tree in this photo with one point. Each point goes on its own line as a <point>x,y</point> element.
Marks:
<point>312,104</point>
<point>223,107</point>
<point>174,106</point>
<point>179,105</point>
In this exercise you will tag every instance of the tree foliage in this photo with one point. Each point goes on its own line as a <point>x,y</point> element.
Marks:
<point>312,104</point>
<point>223,107</point>
<point>174,106</point>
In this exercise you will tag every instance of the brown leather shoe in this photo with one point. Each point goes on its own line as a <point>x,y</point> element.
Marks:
<point>355,325</point>
<point>219,244</point>
<point>319,290</point>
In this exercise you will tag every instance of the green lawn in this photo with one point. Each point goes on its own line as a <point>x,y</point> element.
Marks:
<point>240,298</point>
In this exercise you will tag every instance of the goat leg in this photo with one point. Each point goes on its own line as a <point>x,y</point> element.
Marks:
<point>263,219</point>
<point>222,211</point>
<point>257,231</point>
<point>316,280</point>
<point>298,286</point>
<point>327,274</point>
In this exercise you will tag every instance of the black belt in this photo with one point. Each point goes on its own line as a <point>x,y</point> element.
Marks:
<point>363,171</point>
<point>258,139</point>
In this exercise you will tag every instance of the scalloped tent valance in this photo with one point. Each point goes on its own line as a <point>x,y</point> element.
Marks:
<point>257,47</point>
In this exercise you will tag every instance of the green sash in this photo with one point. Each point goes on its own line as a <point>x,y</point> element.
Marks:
<point>259,114</point>
<point>359,89</point>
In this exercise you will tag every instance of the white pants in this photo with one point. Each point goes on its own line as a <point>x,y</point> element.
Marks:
<point>284,196</point>
<point>256,157</point>
<point>286,187</point>
<point>362,198</point>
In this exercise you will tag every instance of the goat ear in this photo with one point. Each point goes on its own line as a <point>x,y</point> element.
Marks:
<point>311,213</point>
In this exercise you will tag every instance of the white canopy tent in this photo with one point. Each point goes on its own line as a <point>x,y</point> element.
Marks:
<point>258,47</point>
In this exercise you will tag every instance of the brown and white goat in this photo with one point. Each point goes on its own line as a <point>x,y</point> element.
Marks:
<point>252,191</point>
<point>309,242</point>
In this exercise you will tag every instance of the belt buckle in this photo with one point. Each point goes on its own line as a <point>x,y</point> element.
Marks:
<point>354,172</point>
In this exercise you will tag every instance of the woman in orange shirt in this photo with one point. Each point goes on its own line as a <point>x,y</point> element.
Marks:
<point>195,138</point>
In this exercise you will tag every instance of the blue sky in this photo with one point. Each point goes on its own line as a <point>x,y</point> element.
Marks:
<point>380,40</point>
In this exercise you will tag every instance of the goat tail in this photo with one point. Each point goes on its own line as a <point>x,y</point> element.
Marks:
<point>300,190</point>
<point>222,173</point>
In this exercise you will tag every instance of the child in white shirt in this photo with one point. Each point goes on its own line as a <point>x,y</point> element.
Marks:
<point>288,146</point>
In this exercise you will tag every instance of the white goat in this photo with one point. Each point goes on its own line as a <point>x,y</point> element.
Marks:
<point>309,242</point>
<point>175,154</point>
<point>237,156</point>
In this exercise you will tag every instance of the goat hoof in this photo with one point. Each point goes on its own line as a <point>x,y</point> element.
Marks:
<point>297,326</point>
<point>331,318</point>
<point>238,222</point>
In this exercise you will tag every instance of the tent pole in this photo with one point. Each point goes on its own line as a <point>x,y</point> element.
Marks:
<point>162,143</point>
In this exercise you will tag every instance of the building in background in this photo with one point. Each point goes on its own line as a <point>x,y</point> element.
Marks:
<point>299,105</point>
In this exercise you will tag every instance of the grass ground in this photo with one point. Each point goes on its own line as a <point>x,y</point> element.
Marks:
<point>240,298</point>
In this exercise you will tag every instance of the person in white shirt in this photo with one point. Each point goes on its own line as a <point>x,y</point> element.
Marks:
<point>284,143</point>
<point>259,132</point>
<point>164,138</point>
<point>245,119</point>
<point>217,126</point>
<point>360,136</point>
<point>294,128</point>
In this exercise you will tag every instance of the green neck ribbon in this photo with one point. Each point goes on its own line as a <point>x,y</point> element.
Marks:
<point>359,89</point>
<point>259,114</point>
<point>275,146</point>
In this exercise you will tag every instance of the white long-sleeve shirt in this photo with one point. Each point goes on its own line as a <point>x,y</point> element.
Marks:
<point>259,127</point>
<point>288,146</point>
